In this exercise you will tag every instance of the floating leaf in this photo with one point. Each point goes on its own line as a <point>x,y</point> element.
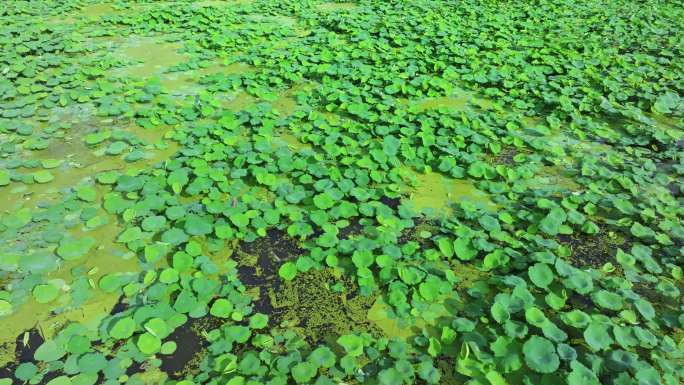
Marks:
<point>352,344</point>
<point>198,225</point>
<point>288,271</point>
<point>323,201</point>
<point>49,351</point>
<point>322,356</point>
<point>221,308</point>
<point>157,327</point>
<point>551,224</point>
<point>540,274</point>
<point>597,336</point>
<point>607,300</point>
<point>540,355</point>
<point>43,176</point>
<point>123,328</point>
<point>463,249</point>
<point>45,293</point>
<point>303,372</point>
<point>148,343</point>
<point>72,249</point>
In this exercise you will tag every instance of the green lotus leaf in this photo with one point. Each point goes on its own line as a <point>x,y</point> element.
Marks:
<point>182,261</point>
<point>153,223</point>
<point>240,220</point>
<point>445,247</point>
<point>352,344</point>
<point>323,201</point>
<point>580,282</point>
<point>607,300</point>
<point>288,271</point>
<point>25,371</point>
<point>258,321</point>
<point>390,376</point>
<point>157,327</point>
<point>123,328</point>
<point>169,275</point>
<point>61,380</point>
<point>168,347</point>
<point>86,193</point>
<point>540,355</point>
<point>581,375</point>
<point>4,178</point>
<point>174,236</point>
<point>92,363</point>
<point>148,343</point>
<point>576,318</point>
<point>536,317</point>
<point>322,356</point>
<point>45,293</point>
<point>597,336</point>
<point>464,250</point>
<point>303,372</point>
<point>221,308</point>
<point>198,225</point>
<point>43,176</point>
<point>5,308</point>
<point>551,224</point>
<point>130,234</point>
<point>72,249</point>
<point>49,351</point>
<point>540,274</point>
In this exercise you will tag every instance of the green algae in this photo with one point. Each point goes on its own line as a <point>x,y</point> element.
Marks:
<point>186,82</point>
<point>219,3</point>
<point>458,101</point>
<point>330,7</point>
<point>433,191</point>
<point>553,178</point>
<point>97,10</point>
<point>151,56</point>
<point>293,141</point>
<point>381,315</point>
<point>108,258</point>
<point>310,305</point>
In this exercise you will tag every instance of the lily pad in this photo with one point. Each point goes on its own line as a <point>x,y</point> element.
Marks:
<point>45,293</point>
<point>43,176</point>
<point>72,248</point>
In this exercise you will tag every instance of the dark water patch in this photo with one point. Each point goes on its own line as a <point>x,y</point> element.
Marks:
<point>675,189</point>
<point>272,250</point>
<point>190,344</point>
<point>504,157</point>
<point>590,250</point>
<point>392,203</point>
<point>354,228</point>
<point>580,302</point>
<point>448,376</point>
<point>413,233</point>
<point>120,306</point>
<point>258,264</point>
<point>191,347</point>
<point>24,351</point>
